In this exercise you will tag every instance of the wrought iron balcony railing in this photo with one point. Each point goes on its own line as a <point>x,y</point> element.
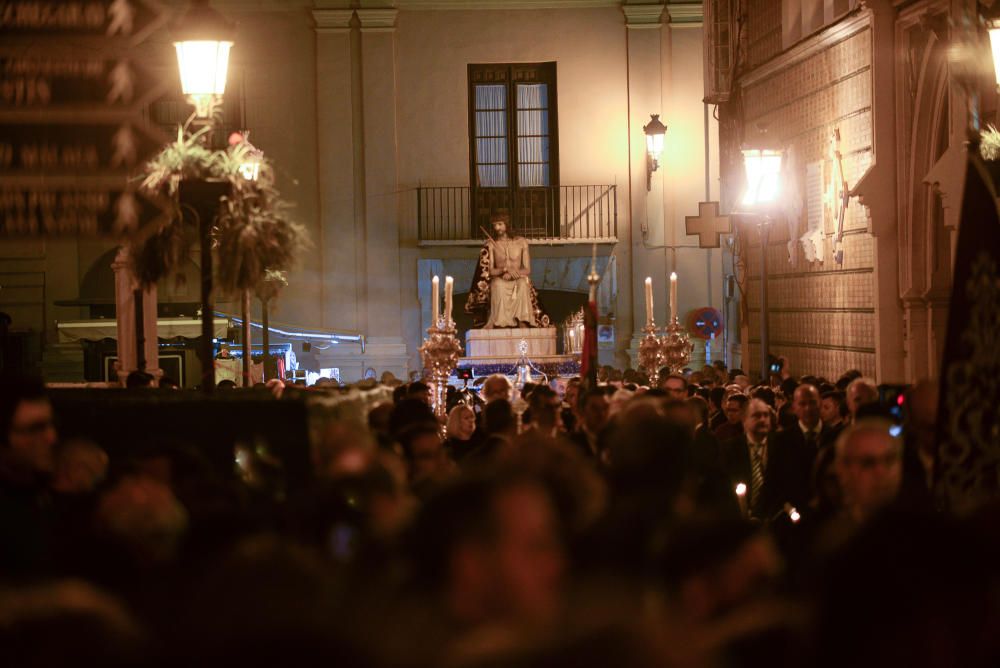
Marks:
<point>564,214</point>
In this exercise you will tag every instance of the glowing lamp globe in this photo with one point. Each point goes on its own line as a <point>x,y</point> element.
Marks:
<point>993,27</point>
<point>203,39</point>
<point>763,174</point>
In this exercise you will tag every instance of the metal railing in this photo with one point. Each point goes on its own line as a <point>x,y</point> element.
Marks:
<point>559,213</point>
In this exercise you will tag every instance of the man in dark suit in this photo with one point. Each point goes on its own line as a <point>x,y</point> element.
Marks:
<point>774,472</point>
<point>594,408</point>
<point>833,412</point>
<point>806,433</point>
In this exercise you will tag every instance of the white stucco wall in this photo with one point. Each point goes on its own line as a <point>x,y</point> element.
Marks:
<point>434,49</point>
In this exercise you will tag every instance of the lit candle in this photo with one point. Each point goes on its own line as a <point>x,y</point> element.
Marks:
<point>649,301</point>
<point>449,283</point>
<point>435,301</point>
<point>741,497</point>
<point>572,341</point>
<point>673,296</point>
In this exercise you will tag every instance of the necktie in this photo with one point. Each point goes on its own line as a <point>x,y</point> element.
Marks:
<point>811,440</point>
<point>756,476</point>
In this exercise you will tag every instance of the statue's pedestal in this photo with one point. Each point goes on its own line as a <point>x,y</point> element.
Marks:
<point>498,344</point>
<point>499,350</point>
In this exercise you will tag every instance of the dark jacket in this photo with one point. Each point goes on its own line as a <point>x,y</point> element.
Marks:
<point>786,473</point>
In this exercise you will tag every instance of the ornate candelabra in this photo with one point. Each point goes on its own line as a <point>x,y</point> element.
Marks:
<point>675,347</point>
<point>651,353</point>
<point>440,352</point>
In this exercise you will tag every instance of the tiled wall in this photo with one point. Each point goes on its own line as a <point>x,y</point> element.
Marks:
<point>822,315</point>
<point>763,30</point>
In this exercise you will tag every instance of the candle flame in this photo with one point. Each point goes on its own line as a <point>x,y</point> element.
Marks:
<point>741,489</point>
<point>673,276</point>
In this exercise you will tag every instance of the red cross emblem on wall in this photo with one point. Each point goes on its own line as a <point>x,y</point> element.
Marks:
<point>708,225</point>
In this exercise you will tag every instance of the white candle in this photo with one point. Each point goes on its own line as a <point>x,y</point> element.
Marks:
<point>673,296</point>
<point>741,497</point>
<point>435,301</point>
<point>449,283</point>
<point>649,301</point>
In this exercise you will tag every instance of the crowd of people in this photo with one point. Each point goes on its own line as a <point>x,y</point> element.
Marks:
<point>692,519</point>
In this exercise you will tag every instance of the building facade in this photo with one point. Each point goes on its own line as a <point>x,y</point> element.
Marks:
<point>875,88</point>
<point>397,127</point>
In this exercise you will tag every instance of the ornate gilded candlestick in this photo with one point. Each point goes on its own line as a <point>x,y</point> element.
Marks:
<point>440,352</point>
<point>676,347</point>
<point>651,353</point>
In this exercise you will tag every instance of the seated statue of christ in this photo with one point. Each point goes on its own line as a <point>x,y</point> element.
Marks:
<point>502,287</point>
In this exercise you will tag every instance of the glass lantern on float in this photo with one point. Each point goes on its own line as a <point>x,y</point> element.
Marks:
<point>522,372</point>
<point>203,39</point>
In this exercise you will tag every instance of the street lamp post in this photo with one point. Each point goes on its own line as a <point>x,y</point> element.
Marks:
<point>765,236</point>
<point>249,169</point>
<point>763,175</point>
<point>203,40</point>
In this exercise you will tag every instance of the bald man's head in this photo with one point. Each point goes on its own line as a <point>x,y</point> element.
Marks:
<point>805,405</point>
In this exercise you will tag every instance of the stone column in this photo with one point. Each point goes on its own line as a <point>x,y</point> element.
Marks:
<point>341,237</point>
<point>356,97</point>
<point>125,313</point>
<point>385,349</point>
<point>877,192</point>
<point>644,24</point>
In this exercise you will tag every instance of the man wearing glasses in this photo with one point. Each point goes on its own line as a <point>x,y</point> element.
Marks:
<point>868,464</point>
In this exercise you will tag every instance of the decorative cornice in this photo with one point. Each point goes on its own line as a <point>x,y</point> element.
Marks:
<point>377,20</point>
<point>643,17</point>
<point>419,5</point>
<point>332,20</point>
<point>685,16</point>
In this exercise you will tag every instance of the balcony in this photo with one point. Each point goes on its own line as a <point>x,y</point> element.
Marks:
<point>457,215</point>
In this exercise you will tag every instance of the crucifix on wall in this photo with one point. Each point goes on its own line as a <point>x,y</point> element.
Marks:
<point>838,195</point>
<point>708,225</point>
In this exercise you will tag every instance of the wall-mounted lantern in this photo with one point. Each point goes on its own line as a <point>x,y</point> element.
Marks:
<point>655,131</point>
<point>993,27</point>
<point>763,174</point>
